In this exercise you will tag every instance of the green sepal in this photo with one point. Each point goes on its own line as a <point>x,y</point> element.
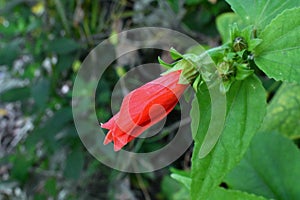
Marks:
<point>246,33</point>
<point>178,66</point>
<point>188,67</point>
<point>241,53</point>
<point>243,71</point>
<point>164,64</point>
<point>191,57</point>
<point>197,83</point>
<point>175,54</point>
<point>225,85</point>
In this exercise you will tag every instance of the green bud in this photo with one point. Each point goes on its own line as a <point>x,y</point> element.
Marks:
<point>224,70</point>
<point>239,44</point>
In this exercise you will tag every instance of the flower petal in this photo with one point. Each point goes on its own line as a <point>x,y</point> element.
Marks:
<point>144,107</point>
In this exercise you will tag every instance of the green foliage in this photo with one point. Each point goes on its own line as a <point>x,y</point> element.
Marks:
<point>245,112</point>
<point>260,13</point>
<point>278,54</point>
<point>270,168</point>
<point>283,112</point>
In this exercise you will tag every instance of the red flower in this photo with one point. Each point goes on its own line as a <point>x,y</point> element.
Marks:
<point>144,107</point>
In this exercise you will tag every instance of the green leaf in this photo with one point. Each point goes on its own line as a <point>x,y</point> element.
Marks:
<point>63,46</point>
<point>278,54</point>
<point>21,163</point>
<point>213,114</point>
<point>15,94</point>
<point>40,92</point>
<point>169,187</point>
<point>224,23</point>
<point>283,113</point>
<point>74,164</point>
<point>65,62</point>
<point>269,168</point>
<point>223,194</point>
<point>183,179</point>
<point>245,111</point>
<point>50,187</point>
<point>260,13</point>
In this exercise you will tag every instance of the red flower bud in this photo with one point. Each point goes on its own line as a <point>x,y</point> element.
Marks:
<point>144,107</point>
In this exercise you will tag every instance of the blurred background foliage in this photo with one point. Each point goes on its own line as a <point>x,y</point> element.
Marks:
<point>42,45</point>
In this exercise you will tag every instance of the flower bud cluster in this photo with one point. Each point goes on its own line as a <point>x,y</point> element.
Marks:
<point>228,63</point>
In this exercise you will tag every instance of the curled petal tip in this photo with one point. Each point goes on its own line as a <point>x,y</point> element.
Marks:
<point>109,124</point>
<point>118,144</point>
<point>104,125</point>
<point>106,141</point>
<point>117,148</point>
<point>108,138</point>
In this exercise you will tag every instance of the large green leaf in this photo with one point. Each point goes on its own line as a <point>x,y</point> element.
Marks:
<point>278,54</point>
<point>245,112</point>
<point>269,168</point>
<point>223,194</point>
<point>261,12</point>
<point>283,113</point>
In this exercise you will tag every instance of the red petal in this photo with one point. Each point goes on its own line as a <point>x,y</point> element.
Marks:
<point>139,109</point>
<point>108,138</point>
